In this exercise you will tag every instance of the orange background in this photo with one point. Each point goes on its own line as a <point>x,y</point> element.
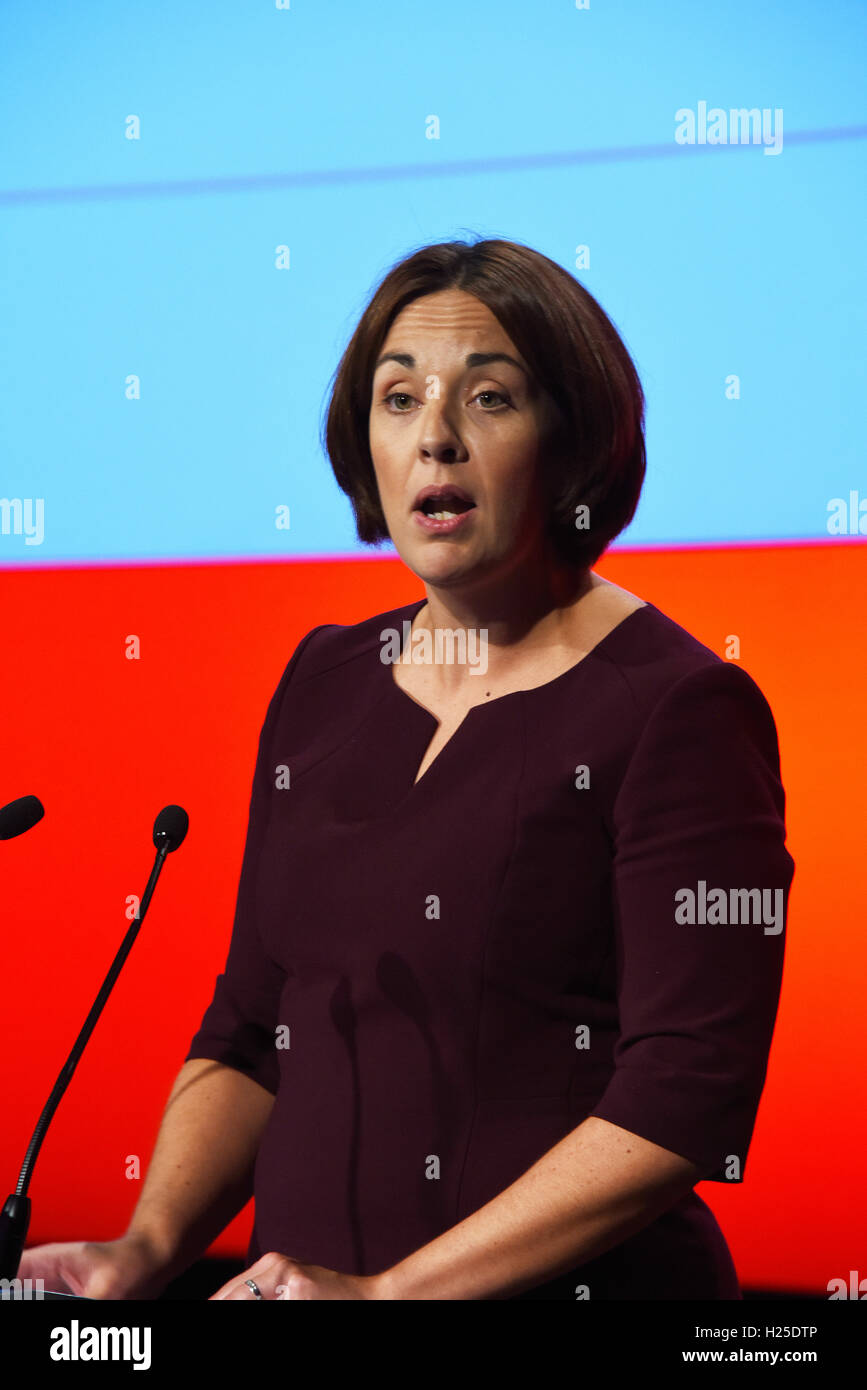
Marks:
<point>106,742</point>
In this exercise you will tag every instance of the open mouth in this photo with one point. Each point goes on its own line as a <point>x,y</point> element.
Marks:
<point>443,503</point>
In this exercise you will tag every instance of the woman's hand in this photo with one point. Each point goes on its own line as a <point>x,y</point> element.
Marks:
<point>123,1268</point>
<point>278,1276</point>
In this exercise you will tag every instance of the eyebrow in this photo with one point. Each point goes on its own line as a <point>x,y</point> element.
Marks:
<point>475,359</point>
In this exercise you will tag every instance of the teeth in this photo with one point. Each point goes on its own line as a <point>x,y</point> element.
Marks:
<point>442,516</point>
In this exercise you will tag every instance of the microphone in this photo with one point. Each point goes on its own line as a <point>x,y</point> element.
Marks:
<point>19,816</point>
<point>170,828</point>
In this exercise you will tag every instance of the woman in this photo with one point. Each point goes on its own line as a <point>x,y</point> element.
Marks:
<point>509,935</point>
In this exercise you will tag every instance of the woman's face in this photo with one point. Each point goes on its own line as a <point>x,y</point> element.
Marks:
<point>438,417</point>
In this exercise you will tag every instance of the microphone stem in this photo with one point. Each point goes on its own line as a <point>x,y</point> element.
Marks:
<point>68,1068</point>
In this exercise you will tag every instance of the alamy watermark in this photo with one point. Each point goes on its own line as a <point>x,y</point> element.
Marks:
<point>17,518</point>
<point>739,126</point>
<point>22,1289</point>
<point>452,646</point>
<point>720,908</point>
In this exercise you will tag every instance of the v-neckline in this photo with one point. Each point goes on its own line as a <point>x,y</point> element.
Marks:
<point>415,608</point>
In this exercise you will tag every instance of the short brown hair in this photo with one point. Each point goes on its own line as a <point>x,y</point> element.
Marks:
<point>597,451</point>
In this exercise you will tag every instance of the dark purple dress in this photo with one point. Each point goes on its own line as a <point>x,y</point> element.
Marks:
<point>440,980</point>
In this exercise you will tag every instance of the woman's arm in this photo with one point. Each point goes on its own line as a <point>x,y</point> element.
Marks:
<point>598,1186</point>
<point>201,1172</point>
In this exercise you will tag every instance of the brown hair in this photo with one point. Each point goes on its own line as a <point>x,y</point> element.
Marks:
<point>597,452</point>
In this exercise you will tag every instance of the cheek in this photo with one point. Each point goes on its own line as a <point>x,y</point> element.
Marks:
<point>515,499</point>
<point>517,475</point>
<point>382,434</point>
<point>379,453</point>
<point>389,485</point>
<point>379,437</point>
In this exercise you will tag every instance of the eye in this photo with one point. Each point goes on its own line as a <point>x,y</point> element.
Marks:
<point>404,395</point>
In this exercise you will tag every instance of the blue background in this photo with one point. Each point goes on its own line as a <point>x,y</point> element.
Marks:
<point>306,127</point>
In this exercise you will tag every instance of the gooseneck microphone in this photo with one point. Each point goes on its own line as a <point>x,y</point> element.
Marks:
<point>19,816</point>
<point>170,828</point>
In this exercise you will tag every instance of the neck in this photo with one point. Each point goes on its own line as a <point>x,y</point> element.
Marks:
<point>511,606</point>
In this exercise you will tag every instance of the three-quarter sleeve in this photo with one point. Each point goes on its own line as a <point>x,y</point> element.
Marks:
<point>238,1027</point>
<point>701,879</point>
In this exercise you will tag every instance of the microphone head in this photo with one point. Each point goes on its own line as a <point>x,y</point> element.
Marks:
<point>19,816</point>
<point>170,828</point>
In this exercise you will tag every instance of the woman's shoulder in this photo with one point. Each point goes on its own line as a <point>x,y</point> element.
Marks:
<point>332,645</point>
<point>652,650</point>
<point>656,664</point>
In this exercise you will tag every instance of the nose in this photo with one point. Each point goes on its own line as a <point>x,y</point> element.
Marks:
<point>439,441</point>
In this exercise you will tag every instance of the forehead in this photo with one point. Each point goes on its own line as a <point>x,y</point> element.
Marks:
<point>448,317</point>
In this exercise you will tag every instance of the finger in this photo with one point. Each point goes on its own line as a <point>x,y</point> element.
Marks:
<point>236,1286</point>
<point>267,1273</point>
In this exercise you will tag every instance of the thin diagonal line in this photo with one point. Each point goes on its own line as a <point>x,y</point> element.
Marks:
<point>393,173</point>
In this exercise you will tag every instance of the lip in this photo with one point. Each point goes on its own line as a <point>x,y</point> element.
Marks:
<point>442,528</point>
<point>443,490</point>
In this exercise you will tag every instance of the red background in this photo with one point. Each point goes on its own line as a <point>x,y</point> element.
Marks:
<point>105,742</point>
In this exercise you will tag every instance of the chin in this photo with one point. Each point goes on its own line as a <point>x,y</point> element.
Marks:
<point>442,570</point>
